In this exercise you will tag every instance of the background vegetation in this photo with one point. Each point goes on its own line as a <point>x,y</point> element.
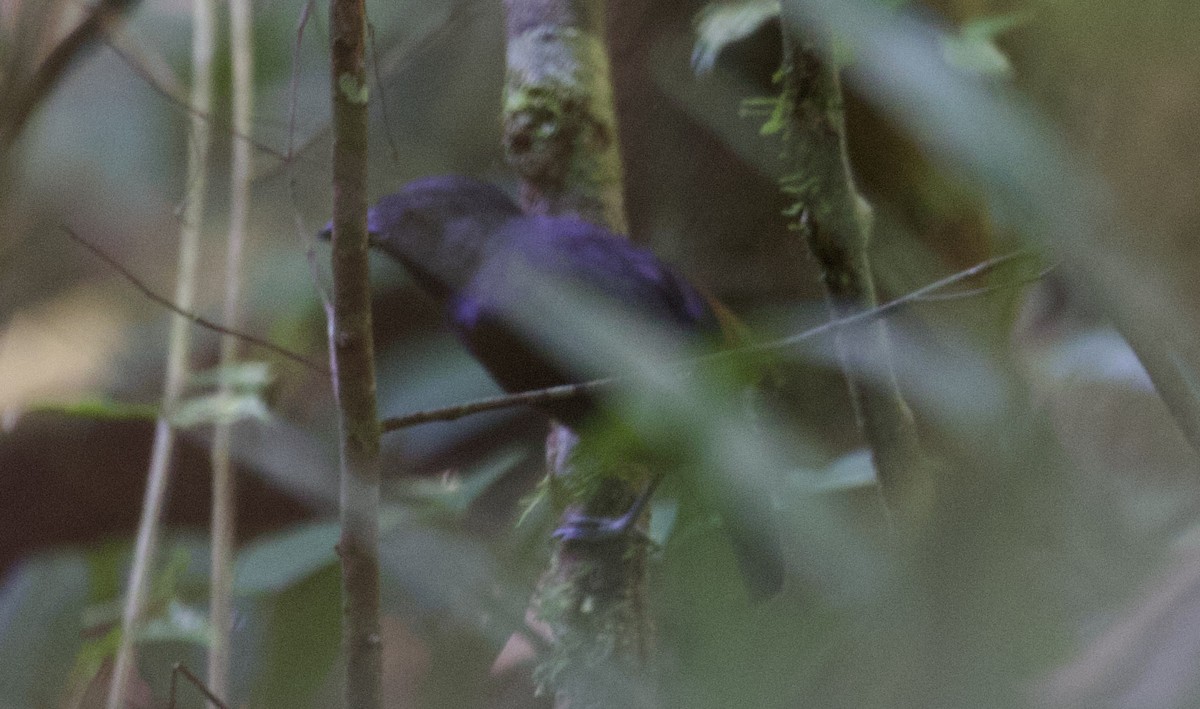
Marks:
<point>1050,562</point>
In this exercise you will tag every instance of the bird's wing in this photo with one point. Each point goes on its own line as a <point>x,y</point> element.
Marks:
<point>532,251</point>
<point>581,254</point>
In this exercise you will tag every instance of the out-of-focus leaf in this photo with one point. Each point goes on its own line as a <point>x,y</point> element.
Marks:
<point>1098,355</point>
<point>442,571</point>
<point>40,608</point>
<point>663,514</point>
<point>974,47</point>
<point>1109,420</point>
<point>108,564</point>
<point>721,24</point>
<point>101,410</point>
<point>302,642</point>
<point>180,623</point>
<point>993,26</point>
<point>166,582</point>
<point>436,372</point>
<point>979,55</point>
<point>244,376</point>
<point>276,562</point>
<point>453,492</point>
<point>695,415</point>
<point>92,655</point>
<point>1012,154</point>
<point>220,408</point>
<point>168,620</point>
<point>850,471</point>
<point>1187,375</point>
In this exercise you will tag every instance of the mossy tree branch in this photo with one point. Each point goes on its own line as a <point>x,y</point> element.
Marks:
<point>560,128</point>
<point>560,136</point>
<point>836,223</point>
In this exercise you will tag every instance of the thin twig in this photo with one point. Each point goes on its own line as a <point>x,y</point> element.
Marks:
<point>887,308</point>
<point>571,391</point>
<point>383,104</point>
<point>182,104</point>
<point>193,317</point>
<point>180,669</point>
<point>294,86</point>
<point>985,290</point>
<point>78,41</point>
<point>492,403</point>
<point>223,516</point>
<point>303,233</point>
<point>178,346</point>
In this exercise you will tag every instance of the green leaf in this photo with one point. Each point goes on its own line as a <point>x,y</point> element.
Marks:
<point>40,606</point>
<point>663,514</point>
<point>180,623</point>
<point>454,493</point>
<point>281,560</point>
<point>220,408</point>
<point>850,471</point>
<point>244,376</point>
<point>777,120</point>
<point>722,24</point>
<point>974,47</point>
<point>107,569</point>
<point>92,656</point>
<point>302,642</point>
<point>101,410</point>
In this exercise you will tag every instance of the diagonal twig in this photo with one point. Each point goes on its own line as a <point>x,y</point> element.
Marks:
<point>181,669</point>
<point>198,320</point>
<point>927,293</point>
<point>78,41</point>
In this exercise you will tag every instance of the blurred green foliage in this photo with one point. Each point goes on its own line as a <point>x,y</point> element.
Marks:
<point>1050,566</point>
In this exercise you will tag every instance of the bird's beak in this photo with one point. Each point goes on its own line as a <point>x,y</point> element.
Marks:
<point>373,225</point>
<point>372,228</point>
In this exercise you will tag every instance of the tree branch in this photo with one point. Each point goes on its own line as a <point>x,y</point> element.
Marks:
<point>87,34</point>
<point>352,356</point>
<point>157,477</point>
<point>224,507</point>
<point>189,315</point>
<point>837,224</point>
<point>560,136</point>
<point>925,294</point>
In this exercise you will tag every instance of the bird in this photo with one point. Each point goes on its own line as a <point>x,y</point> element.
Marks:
<point>468,245</point>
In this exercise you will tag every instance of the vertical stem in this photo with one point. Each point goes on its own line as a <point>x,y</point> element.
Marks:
<point>353,359</point>
<point>560,136</point>
<point>837,223</point>
<point>224,507</point>
<point>177,368</point>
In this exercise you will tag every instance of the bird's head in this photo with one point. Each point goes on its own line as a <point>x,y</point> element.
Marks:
<point>439,228</point>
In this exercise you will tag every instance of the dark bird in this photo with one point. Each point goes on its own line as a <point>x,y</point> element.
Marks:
<point>468,245</point>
